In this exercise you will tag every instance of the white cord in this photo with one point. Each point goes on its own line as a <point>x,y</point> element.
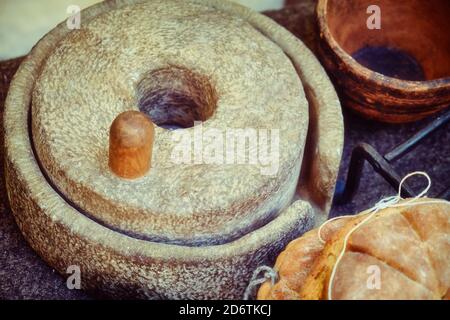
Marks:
<point>269,274</point>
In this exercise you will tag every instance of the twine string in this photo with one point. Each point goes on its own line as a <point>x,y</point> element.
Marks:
<point>269,274</point>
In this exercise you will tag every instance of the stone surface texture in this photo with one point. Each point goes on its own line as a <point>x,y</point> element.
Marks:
<point>125,266</point>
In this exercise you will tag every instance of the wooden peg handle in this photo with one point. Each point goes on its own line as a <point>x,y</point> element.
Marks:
<point>130,144</point>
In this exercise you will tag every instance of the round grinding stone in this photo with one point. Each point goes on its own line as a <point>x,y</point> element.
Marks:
<point>192,68</point>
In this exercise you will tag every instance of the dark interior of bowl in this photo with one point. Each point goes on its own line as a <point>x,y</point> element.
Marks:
<point>413,42</point>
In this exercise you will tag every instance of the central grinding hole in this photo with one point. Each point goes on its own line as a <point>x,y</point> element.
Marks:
<point>175,97</point>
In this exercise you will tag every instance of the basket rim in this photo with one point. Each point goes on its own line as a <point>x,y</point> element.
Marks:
<point>362,72</point>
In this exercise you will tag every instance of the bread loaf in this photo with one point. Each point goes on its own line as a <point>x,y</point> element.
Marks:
<point>406,248</point>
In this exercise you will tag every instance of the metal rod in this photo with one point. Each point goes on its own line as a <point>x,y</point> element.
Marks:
<point>412,142</point>
<point>365,152</point>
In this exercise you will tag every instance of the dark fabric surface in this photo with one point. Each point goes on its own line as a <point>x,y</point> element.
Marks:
<point>23,275</point>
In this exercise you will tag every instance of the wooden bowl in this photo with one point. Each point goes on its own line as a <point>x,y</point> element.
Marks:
<point>399,73</point>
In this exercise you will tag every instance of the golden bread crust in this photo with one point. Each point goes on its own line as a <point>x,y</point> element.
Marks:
<point>409,246</point>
